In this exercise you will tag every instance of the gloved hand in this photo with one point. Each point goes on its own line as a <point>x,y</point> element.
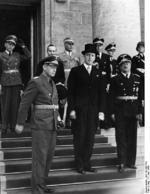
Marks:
<point>20,43</point>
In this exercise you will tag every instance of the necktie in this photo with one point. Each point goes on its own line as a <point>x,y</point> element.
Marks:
<point>89,69</point>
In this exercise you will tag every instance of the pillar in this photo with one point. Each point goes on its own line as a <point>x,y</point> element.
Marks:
<point>118,21</point>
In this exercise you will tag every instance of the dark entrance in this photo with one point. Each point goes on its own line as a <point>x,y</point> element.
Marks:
<point>23,21</point>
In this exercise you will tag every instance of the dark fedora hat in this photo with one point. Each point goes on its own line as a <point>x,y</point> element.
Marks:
<point>51,61</point>
<point>89,48</point>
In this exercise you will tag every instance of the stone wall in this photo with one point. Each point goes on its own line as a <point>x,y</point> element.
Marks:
<point>72,18</point>
<point>118,21</point>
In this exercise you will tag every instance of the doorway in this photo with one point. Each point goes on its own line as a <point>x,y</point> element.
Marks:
<point>22,21</point>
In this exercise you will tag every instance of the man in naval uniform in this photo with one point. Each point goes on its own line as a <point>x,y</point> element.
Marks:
<point>138,67</point>
<point>42,93</point>
<point>125,108</point>
<point>10,80</point>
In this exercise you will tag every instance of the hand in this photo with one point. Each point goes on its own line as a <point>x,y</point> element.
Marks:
<point>19,128</point>
<point>73,114</point>
<point>139,118</point>
<point>101,116</point>
<point>113,117</point>
<point>20,43</point>
<point>143,103</point>
<point>63,102</point>
<point>21,93</point>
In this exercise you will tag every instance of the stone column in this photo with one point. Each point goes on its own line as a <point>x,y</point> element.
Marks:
<point>45,25</point>
<point>118,21</point>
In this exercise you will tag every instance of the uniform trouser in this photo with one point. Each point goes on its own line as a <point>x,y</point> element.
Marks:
<point>10,100</point>
<point>126,139</point>
<point>84,128</point>
<point>43,148</point>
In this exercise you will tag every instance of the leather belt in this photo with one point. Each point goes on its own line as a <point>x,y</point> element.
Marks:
<point>46,106</point>
<point>12,71</point>
<point>126,98</point>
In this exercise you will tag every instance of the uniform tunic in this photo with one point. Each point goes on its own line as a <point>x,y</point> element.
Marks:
<point>126,103</point>
<point>40,91</point>
<point>10,79</point>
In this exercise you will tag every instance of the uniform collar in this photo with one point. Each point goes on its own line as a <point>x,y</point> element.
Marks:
<point>8,53</point>
<point>68,53</point>
<point>126,75</point>
<point>49,79</point>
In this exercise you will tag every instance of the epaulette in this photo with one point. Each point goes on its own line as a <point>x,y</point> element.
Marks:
<point>136,75</point>
<point>36,77</point>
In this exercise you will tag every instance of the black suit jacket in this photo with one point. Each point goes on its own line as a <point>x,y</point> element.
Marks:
<point>85,89</point>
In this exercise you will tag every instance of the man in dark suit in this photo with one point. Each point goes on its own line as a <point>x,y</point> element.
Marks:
<point>10,80</point>
<point>86,99</point>
<point>125,107</point>
<point>42,93</point>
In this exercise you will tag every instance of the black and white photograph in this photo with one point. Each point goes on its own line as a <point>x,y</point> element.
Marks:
<point>74,97</point>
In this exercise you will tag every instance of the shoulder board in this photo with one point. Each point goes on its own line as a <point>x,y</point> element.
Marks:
<point>136,75</point>
<point>36,77</point>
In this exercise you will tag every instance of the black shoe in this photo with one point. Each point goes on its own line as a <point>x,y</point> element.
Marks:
<point>90,170</point>
<point>46,189</point>
<point>121,168</point>
<point>132,166</point>
<point>80,170</point>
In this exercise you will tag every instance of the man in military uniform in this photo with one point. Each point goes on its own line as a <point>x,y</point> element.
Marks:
<point>10,80</point>
<point>86,100</point>
<point>138,67</point>
<point>42,93</point>
<point>125,107</point>
<point>59,80</point>
<point>102,63</point>
<point>111,49</point>
<point>69,60</point>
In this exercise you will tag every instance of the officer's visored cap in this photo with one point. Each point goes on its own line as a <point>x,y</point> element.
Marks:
<point>51,61</point>
<point>11,38</point>
<point>124,58</point>
<point>89,48</point>
<point>98,41</point>
<point>111,47</point>
<point>139,44</point>
<point>68,40</point>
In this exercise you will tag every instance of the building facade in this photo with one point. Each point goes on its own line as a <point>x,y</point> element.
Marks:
<point>40,22</point>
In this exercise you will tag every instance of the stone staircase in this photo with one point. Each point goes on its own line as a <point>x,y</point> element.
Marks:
<point>15,166</point>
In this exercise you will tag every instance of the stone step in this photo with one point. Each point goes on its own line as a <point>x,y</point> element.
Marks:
<point>27,133</point>
<point>115,186</point>
<point>59,162</point>
<point>66,177</point>
<point>61,140</point>
<point>26,152</point>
